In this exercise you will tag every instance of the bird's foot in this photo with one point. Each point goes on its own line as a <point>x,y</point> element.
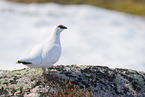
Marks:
<point>45,71</point>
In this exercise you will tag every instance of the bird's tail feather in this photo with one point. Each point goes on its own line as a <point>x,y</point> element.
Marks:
<point>24,62</point>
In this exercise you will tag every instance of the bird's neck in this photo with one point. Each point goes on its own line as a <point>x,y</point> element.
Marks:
<point>56,36</point>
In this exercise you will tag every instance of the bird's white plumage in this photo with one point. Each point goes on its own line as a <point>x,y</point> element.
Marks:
<point>47,53</point>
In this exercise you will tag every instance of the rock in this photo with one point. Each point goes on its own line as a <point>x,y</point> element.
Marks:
<point>99,80</point>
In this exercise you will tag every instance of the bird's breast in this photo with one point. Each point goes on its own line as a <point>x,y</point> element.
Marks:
<point>51,55</point>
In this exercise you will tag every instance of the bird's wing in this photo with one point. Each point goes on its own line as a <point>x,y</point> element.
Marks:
<point>34,57</point>
<point>51,54</point>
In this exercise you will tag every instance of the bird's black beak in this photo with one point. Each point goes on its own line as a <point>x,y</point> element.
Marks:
<point>64,27</point>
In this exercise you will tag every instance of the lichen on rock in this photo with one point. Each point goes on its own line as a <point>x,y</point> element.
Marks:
<point>84,81</point>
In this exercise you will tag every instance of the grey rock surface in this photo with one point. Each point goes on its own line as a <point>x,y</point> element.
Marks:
<point>100,81</point>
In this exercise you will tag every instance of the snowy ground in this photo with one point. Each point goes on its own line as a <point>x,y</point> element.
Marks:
<point>94,36</point>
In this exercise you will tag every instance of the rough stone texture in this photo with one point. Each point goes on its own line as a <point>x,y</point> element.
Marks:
<point>100,81</point>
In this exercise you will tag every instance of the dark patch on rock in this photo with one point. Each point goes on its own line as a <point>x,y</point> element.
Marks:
<point>136,86</point>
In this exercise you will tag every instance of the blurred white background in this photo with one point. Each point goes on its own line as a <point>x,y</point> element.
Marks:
<point>95,36</point>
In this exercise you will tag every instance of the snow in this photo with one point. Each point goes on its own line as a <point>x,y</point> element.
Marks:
<point>95,36</point>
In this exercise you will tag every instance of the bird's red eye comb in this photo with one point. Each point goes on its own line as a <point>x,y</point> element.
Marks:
<point>60,25</point>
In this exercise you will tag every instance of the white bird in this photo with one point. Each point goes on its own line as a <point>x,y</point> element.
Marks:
<point>47,53</point>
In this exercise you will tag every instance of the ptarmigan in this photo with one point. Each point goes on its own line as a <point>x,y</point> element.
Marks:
<point>47,53</point>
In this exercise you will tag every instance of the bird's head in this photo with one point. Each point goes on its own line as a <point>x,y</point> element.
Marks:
<point>61,27</point>
<point>58,29</point>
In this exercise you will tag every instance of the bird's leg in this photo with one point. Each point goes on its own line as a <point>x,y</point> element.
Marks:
<point>48,71</point>
<point>47,75</point>
<point>44,71</point>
